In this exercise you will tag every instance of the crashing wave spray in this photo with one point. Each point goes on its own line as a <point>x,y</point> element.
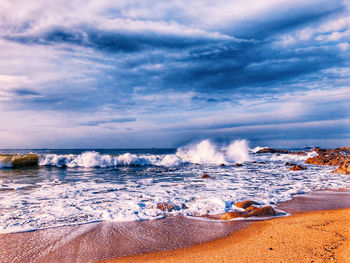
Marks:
<point>204,152</point>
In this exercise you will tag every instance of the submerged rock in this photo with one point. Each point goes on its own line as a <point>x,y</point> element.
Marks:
<point>245,204</point>
<point>290,164</point>
<point>297,168</point>
<point>165,207</point>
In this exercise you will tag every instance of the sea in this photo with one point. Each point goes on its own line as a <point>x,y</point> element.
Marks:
<point>80,186</point>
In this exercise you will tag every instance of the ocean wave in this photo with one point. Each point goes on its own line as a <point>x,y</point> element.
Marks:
<point>204,152</point>
<point>18,160</point>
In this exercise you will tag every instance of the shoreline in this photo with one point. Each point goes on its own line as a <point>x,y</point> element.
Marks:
<point>322,236</point>
<point>109,240</point>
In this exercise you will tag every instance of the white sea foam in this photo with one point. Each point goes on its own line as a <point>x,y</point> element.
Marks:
<point>54,197</point>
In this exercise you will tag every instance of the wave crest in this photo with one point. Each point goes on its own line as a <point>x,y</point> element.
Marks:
<point>204,152</point>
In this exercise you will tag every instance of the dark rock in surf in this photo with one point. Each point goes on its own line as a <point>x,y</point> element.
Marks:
<point>297,168</point>
<point>165,207</point>
<point>205,176</point>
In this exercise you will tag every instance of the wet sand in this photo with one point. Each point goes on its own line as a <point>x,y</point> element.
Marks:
<point>307,237</point>
<point>107,240</point>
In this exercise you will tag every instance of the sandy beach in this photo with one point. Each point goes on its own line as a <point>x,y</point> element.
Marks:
<point>306,237</point>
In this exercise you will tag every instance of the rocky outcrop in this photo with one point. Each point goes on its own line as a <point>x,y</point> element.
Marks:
<point>297,168</point>
<point>331,157</point>
<point>344,168</point>
<point>272,150</point>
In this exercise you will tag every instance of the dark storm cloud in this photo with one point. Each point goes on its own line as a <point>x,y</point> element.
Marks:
<point>111,41</point>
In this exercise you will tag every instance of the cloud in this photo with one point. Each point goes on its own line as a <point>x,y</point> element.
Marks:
<point>115,120</point>
<point>180,69</point>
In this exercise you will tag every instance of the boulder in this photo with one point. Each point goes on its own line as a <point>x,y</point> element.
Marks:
<point>249,212</point>
<point>222,165</point>
<point>259,211</point>
<point>238,164</point>
<point>245,204</point>
<point>297,168</point>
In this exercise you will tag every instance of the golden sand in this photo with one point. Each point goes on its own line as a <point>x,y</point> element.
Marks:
<point>322,236</point>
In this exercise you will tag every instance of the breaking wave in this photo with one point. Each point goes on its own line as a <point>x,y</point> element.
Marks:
<point>204,152</point>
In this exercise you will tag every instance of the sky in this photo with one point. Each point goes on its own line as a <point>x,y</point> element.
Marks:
<point>140,74</point>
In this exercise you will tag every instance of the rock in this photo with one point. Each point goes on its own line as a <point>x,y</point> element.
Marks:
<point>297,168</point>
<point>222,165</point>
<point>271,150</point>
<point>261,163</point>
<point>259,211</point>
<point>205,176</point>
<point>250,211</point>
<point>245,204</point>
<point>238,164</point>
<point>327,158</point>
<point>344,168</point>
<point>289,164</point>
<point>166,207</point>
<point>230,215</point>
